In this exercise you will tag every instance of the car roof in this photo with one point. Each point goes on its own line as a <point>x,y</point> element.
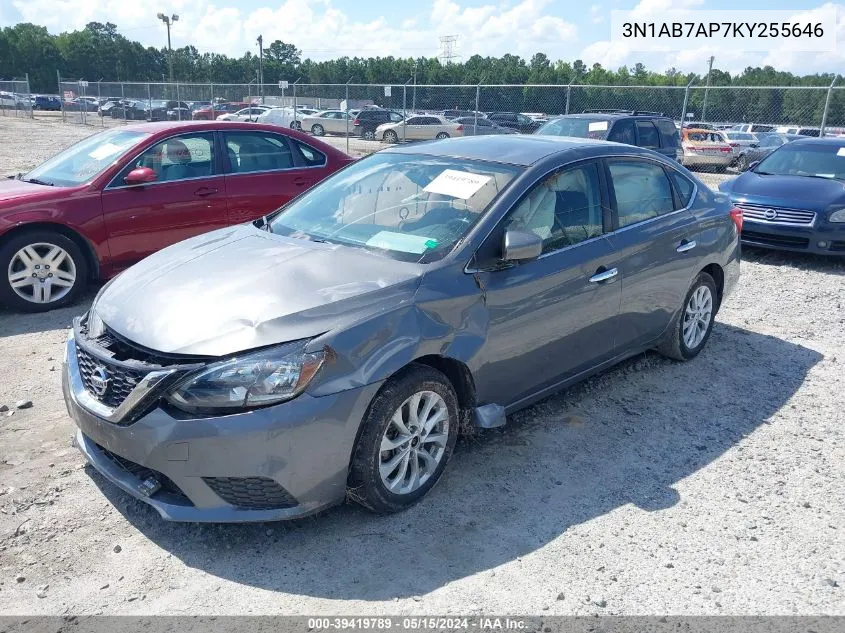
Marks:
<point>812,140</point>
<point>515,149</point>
<point>611,115</point>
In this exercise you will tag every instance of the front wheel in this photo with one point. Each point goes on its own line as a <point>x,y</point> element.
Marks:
<point>317,130</point>
<point>295,125</point>
<point>368,135</point>
<point>40,271</point>
<point>693,325</point>
<point>742,163</point>
<point>441,135</point>
<point>408,436</point>
<point>390,137</point>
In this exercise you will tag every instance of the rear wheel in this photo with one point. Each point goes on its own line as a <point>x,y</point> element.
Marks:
<point>390,137</point>
<point>368,135</point>
<point>408,436</point>
<point>742,162</point>
<point>41,270</point>
<point>691,329</point>
<point>441,135</point>
<point>317,130</point>
<point>295,125</point>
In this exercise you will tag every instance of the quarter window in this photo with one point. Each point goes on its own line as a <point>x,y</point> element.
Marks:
<point>648,135</point>
<point>564,209</point>
<point>312,157</point>
<point>642,190</point>
<point>251,152</point>
<point>683,186</point>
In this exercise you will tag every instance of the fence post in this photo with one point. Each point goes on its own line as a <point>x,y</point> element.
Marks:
<point>100,105</point>
<point>347,113</point>
<point>211,88</point>
<point>405,111</point>
<point>686,102</point>
<point>150,100</point>
<point>477,101</point>
<point>29,95</point>
<point>123,100</point>
<point>826,106</point>
<point>178,109</point>
<point>294,102</point>
<point>61,92</point>
<point>568,94</point>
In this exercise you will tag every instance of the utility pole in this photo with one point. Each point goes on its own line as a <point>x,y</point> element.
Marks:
<point>706,89</point>
<point>260,41</point>
<point>414,98</point>
<point>168,20</point>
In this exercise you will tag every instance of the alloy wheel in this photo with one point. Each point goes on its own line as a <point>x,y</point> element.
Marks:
<point>414,442</point>
<point>697,316</point>
<point>42,273</point>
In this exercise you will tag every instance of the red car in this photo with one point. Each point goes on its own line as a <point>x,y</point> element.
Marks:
<point>209,113</point>
<point>120,195</point>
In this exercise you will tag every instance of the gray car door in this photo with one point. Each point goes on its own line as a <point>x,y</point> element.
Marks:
<point>654,240</point>
<point>551,317</point>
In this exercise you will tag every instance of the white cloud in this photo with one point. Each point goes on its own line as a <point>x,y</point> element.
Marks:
<point>598,14</point>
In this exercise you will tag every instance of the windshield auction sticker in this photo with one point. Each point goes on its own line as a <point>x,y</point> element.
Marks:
<point>458,184</point>
<point>648,29</point>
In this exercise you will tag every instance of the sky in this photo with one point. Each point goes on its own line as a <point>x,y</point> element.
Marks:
<point>325,29</point>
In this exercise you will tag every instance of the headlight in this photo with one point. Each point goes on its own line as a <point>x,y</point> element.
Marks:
<point>837,216</point>
<point>266,377</point>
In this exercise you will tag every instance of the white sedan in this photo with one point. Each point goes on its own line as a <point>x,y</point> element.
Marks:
<point>327,122</point>
<point>246,114</point>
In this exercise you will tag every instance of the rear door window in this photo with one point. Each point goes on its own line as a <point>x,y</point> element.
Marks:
<point>623,132</point>
<point>257,151</point>
<point>647,135</point>
<point>671,137</point>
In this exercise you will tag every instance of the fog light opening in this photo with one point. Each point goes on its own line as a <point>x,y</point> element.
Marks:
<point>822,244</point>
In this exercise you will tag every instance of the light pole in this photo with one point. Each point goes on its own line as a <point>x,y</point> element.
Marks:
<point>168,21</point>
<point>260,41</point>
<point>707,88</point>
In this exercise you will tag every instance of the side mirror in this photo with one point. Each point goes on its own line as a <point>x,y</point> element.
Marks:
<point>140,176</point>
<point>521,246</point>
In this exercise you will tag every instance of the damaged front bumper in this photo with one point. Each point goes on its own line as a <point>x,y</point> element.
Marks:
<point>280,462</point>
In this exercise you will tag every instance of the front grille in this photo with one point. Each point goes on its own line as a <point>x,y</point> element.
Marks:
<point>777,215</point>
<point>775,240</point>
<point>121,381</point>
<point>252,493</point>
<point>142,473</point>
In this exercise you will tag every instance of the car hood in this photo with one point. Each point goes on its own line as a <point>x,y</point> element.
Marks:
<point>788,191</point>
<point>14,189</point>
<point>242,288</point>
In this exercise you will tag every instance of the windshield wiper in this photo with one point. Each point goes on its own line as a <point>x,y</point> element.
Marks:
<point>765,173</point>
<point>35,181</point>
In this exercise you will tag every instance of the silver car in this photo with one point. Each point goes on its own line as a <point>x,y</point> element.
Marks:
<point>266,371</point>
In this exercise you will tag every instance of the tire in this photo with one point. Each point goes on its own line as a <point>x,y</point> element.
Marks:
<point>295,125</point>
<point>72,268</point>
<point>317,130</point>
<point>742,163</point>
<point>390,137</point>
<point>368,135</point>
<point>676,344</point>
<point>441,135</point>
<point>367,485</point>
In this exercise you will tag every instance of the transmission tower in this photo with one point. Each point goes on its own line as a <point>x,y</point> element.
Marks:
<point>448,48</point>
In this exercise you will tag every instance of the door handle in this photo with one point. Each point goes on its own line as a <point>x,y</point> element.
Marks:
<point>686,245</point>
<point>202,192</point>
<point>300,181</point>
<point>603,275</point>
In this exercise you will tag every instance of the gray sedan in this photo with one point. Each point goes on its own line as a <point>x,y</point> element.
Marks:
<point>335,348</point>
<point>474,126</point>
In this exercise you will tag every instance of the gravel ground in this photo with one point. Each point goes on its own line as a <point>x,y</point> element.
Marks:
<point>709,487</point>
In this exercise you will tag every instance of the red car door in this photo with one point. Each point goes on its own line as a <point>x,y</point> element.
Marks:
<point>265,170</point>
<point>187,198</point>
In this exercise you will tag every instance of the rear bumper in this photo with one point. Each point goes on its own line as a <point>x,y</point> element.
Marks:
<point>824,239</point>
<point>707,160</point>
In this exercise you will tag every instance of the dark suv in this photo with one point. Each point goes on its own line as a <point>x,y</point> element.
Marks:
<point>651,130</point>
<point>514,121</point>
<point>368,120</point>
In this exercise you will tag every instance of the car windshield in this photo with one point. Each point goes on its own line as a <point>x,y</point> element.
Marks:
<point>85,160</point>
<point>581,127</point>
<point>740,136</point>
<point>805,159</point>
<point>409,207</point>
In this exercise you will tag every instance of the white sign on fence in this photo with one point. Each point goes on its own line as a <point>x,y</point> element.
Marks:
<point>283,85</point>
<point>83,84</point>
<point>387,91</point>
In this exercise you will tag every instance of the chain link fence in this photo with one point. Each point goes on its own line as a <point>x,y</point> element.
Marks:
<point>109,103</point>
<point>15,98</point>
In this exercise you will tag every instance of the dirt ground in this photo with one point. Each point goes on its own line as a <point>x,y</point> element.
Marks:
<point>709,487</point>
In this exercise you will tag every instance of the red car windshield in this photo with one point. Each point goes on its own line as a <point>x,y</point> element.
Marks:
<point>86,159</point>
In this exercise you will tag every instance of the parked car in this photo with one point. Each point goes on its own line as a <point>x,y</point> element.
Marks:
<point>340,343</point>
<point>327,122</point>
<point>47,102</point>
<point>767,142</point>
<point>457,114</point>
<point>211,112</point>
<point>115,197</point>
<point>655,132</point>
<point>8,100</point>
<point>698,125</point>
<point>283,117</point>
<point>419,128</point>
<point>130,110</point>
<point>158,109</point>
<point>794,198</point>
<point>515,121</point>
<point>250,113</point>
<point>369,119</point>
<point>180,113</point>
<point>479,127</point>
<point>706,148</point>
<point>752,127</point>
<point>107,105</point>
<point>82,104</point>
